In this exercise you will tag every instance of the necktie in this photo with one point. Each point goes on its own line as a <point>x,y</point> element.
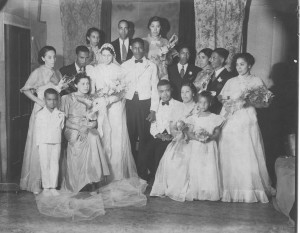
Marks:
<point>139,61</point>
<point>165,103</point>
<point>81,70</point>
<point>182,72</point>
<point>214,76</point>
<point>124,51</point>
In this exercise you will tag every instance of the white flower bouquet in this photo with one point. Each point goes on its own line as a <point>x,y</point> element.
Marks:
<point>258,97</point>
<point>201,134</point>
<point>116,88</point>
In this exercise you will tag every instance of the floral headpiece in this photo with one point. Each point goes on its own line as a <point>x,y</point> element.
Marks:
<point>109,47</point>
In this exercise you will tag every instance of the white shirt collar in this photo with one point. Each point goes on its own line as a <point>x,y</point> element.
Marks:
<point>217,72</point>
<point>180,67</point>
<point>170,103</point>
<point>143,58</point>
<point>77,67</point>
<point>126,41</point>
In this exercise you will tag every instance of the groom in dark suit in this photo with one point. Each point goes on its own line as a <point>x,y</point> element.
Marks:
<point>122,44</point>
<point>82,55</point>
<point>219,77</point>
<point>182,72</point>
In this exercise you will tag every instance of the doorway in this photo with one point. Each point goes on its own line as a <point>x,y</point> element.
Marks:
<point>18,107</point>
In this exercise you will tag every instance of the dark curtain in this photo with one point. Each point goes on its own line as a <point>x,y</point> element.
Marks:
<point>106,20</point>
<point>187,32</point>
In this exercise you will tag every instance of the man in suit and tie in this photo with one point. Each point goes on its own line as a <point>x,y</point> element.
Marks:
<point>142,99</point>
<point>82,56</point>
<point>121,45</point>
<point>219,77</point>
<point>182,72</point>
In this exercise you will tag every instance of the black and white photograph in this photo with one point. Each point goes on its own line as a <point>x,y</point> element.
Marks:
<point>141,116</point>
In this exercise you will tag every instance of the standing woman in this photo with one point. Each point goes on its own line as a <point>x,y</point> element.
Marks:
<point>93,44</point>
<point>39,80</point>
<point>158,49</point>
<point>204,75</point>
<point>242,158</point>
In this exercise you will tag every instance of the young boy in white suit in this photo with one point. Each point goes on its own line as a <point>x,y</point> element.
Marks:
<point>48,128</point>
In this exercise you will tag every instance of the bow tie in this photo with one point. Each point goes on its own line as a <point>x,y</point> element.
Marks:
<point>139,61</point>
<point>165,103</point>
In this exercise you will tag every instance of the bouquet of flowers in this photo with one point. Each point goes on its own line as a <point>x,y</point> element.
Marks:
<point>180,130</point>
<point>201,134</point>
<point>116,88</point>
<point>258,97</point>
<point>98,102</point>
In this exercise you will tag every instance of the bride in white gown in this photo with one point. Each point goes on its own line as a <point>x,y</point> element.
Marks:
<point>114,128</point>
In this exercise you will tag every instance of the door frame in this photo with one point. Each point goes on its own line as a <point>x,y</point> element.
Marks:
<point>6,18</point>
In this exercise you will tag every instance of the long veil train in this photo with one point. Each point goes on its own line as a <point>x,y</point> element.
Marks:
<point>89,205</point>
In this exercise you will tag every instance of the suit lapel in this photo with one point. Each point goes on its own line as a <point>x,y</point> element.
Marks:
<point>222,73</point>
<point>177,75</point>
<point>118,52</point>
<point>188,70</point>
<point>219,76</point>
<point>74,71</point>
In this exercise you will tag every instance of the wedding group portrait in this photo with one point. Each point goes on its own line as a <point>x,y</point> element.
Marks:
<point>148,116</point>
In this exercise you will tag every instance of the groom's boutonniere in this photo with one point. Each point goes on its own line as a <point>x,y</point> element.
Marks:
<point>220,79</point>
<point>190,73</point>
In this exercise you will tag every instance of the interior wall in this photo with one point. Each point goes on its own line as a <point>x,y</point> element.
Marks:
<point>140,11</point>
<point>50,13</point>
<point>19,13</point>
<point>266,38</point>
<point>17,7</point>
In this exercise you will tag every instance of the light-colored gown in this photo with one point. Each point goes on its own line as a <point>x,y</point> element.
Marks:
<point>156,52</point>
<point>114,128</point>
<point>172,176</point>
<point>86,161</point>
<point>204,171</point>
<point>242,159</point>
<point>39,80</point>
<point>203,78</point>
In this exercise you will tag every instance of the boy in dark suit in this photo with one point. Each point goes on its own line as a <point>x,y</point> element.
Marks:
<point>219,77</point>
<point>182,72</point>
<point>122,44</point>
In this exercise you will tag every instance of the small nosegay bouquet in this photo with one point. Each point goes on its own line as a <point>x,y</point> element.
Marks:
<point>201,134</point>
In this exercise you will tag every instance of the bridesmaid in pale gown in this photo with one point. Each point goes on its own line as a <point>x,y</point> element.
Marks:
<point>158,49</point>
<point>204,75</point>
<point>172,176</point>
<point>114,128</point>
<point>242,158</point>
<point>93,44</point>
<point>39,80</point>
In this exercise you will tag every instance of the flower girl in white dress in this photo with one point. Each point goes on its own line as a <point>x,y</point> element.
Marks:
<point>204,177</point>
